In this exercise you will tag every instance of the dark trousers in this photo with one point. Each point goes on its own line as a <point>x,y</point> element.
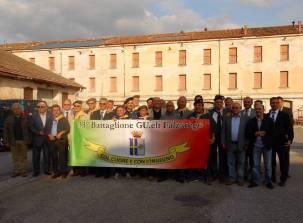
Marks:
<point>281,151</point>
<point>287,159</point>
<point>212,168</point>
<point>58,150</point>
<point>36,158</point>
<point>249,162</point>
<point>223,167</point>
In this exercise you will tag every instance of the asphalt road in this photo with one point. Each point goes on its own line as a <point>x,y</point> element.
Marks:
<point>139,200</point>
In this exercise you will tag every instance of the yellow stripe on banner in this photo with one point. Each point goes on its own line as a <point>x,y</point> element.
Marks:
<point>102,154</point>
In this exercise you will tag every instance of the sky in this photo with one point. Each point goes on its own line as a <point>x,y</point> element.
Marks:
<point>37,20</point>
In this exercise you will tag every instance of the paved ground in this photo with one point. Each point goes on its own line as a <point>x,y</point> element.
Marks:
<point>97,200</point>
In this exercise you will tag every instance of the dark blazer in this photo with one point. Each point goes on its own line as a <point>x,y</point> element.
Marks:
<point>96,115</point>
<point>9,133</point>
<point>283,130</point>
<point>63,125</point>
<point>267,125</point>
<point>290,114</point>
<point>36,126</point>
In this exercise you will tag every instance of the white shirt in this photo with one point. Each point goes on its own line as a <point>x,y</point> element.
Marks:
<point>43,118</point>
<point>275,113</point>
<point>247,112</point>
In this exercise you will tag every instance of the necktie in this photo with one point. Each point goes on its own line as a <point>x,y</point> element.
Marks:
<point>66,114</point>
<point>246,113</point>
<point>102,115</point>
<point>181,114</point>
<point>273,116</point>
<point>219,120</point>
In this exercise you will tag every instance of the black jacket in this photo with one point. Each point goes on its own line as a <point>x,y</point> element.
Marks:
<point>283,130</point>
<point>267,125</point>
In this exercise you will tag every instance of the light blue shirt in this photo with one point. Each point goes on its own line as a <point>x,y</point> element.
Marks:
<point>259,142</point>
<point>235,125</point>
<point>54,128</point>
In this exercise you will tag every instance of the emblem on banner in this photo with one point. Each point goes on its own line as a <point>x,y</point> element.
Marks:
<point>137,144</point>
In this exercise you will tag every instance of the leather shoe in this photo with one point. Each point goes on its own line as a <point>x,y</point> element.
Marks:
<point>282,184</point>
<point>251,185</point>
<point>270,186</point>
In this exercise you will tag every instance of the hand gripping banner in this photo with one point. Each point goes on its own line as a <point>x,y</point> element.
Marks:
<point>165,144</point>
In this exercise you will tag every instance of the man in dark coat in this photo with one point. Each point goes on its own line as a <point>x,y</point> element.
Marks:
<point>40,126</point>
<point>16,136</point>
<point>259,132</point>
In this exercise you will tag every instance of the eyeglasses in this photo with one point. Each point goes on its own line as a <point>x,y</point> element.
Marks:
<point>102,103</point>
<point>66,104</point>
<point>77,106</point>
<point>41,107</point>
<point>91,103</point>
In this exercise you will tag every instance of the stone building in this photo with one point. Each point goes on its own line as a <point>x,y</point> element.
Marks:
<point>21,79</point>
<point>258,62</point>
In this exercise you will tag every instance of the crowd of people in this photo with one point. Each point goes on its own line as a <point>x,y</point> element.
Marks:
<point>239,139</point>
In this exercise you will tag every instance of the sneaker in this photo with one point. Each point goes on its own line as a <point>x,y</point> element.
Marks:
<point>116,176</point>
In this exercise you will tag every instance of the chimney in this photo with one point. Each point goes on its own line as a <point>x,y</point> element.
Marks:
<point>300,26</point>
<point>244,30</point>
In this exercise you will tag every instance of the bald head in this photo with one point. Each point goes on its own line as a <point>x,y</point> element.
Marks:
<point>236,108</point>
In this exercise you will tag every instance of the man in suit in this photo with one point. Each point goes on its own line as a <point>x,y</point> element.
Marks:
<point>40,126</point>
<point>259,132</point>
<point>58,142</point>
<point>234,141</point>
<point>16,136</point>
<point>102,114</point>
<point>217,115</point>
<point>291,117</point>
<point>67,110</point>
<point>248,112</point>
<point>283,136</point>
<point>92,106</point>
<point>156,112</point>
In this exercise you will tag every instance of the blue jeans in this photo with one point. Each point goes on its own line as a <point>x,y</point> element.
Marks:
<point>235,159</point>
<point>267,155</point>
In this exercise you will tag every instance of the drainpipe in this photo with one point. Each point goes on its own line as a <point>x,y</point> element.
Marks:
<point>219,68</point>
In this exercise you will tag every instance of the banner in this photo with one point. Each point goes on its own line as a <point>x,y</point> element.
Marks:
<point>169,144</point>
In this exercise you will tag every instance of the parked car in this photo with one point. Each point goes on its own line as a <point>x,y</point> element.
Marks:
<point>28,107</point>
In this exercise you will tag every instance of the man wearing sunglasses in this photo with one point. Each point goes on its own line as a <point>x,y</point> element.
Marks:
<point>40,125</point>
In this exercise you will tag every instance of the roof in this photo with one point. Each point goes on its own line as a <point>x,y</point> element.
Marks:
<point>205,35</point>
<point>12,66</point>
<point>154,38</point>
<point>38,45</point>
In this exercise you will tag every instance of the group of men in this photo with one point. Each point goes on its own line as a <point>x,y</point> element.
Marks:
<point>239,137</point>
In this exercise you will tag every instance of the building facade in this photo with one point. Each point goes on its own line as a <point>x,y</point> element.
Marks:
<point>255,62</point>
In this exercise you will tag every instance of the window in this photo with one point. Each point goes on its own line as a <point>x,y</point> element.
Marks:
<point>207,81</point>
<point>159,59</point>
<point>284,52</point>
<point>32,60</point>
<point>233,55</point>
<point>71,63</point>
<point>113,84</point>
<point>92,62</point>
<point>207,56</point>
<point>284,79</point>
<point>135,83</point>
<point>258,80</point>
<point>135,59</point>
<point>28,93</point>
<point>51,63</point>
<point>113,61</point>
<point>92,84</point>
<point>182,57</point>
<point>258,54</point>
<point>182,82</point>
<point>159,83</point>
<point>232,80</point>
